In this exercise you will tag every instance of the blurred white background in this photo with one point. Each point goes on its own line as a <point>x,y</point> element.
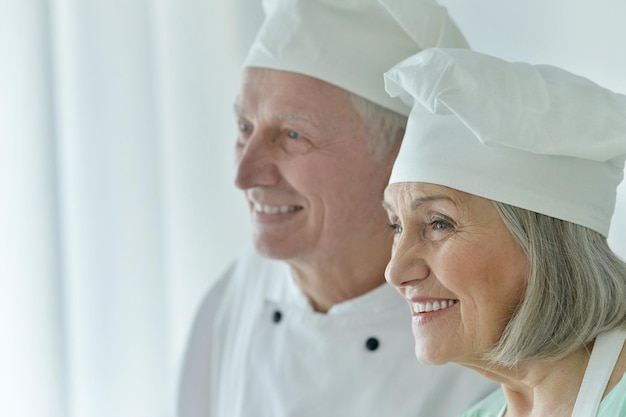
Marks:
<point>117,204</point>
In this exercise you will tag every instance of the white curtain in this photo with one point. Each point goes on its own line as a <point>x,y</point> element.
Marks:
<point>117,208</point>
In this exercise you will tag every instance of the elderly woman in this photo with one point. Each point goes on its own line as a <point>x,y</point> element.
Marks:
<point>500,201</point>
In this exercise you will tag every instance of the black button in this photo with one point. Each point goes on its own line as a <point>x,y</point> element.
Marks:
<point>277,316</point>
<point>372,344</point>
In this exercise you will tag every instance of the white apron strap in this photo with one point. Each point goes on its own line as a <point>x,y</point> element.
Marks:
<point>605,352</point>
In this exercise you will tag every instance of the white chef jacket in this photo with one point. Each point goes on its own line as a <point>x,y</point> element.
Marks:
<point>258,349</point>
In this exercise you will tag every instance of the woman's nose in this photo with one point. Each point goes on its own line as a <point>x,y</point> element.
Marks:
<point>406,266</point>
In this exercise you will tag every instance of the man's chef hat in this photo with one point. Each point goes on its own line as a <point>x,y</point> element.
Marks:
<point>536,137</point>
<point>350,43</point>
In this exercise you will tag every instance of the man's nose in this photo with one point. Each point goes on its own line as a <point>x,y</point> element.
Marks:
<point>256,162</point>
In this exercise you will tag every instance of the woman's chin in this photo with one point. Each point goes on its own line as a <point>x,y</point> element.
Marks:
<point>428,357</point>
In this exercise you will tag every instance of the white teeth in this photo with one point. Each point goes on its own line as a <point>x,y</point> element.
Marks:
<point>434,306</point>
<point>274,209</point>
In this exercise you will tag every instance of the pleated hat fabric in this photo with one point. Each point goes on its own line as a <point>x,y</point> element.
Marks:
<point>533,136</point>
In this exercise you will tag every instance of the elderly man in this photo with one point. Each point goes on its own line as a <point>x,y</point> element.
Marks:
<point>303,325</point>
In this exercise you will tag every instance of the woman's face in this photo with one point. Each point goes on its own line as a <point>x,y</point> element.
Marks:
<point>458,266</point>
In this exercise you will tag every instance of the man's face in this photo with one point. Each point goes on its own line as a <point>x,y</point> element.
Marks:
<point>313,185</point>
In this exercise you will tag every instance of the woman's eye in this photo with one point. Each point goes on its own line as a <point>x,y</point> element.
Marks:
<point>394,227</point>
<point>292,134</point>
<point>438,229</point>
<point>440,224</point>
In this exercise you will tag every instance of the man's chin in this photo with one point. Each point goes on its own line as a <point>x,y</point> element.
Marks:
<point>276,251</point>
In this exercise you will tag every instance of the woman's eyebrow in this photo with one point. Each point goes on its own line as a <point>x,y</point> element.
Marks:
<point>415,204</point>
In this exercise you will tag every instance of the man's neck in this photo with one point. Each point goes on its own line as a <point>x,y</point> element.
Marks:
<point>328,283</point>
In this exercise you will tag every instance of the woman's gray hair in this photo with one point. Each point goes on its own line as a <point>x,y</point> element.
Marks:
<point>576,289</point>
<point>385,126</point>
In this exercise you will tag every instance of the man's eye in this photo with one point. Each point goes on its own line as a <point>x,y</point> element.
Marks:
<point>394,227</point>
<point>244,126</point>
<point>294,143</point>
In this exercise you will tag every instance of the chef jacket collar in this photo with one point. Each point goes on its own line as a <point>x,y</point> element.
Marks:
<point>283,291</point>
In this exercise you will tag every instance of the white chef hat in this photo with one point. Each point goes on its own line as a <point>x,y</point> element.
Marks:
<point>350,43</point>
<point>536,137</point>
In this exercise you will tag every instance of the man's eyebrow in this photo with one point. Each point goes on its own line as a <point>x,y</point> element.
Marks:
<point>287,117</point>
<point>238,110</point>
<point>293,116</point>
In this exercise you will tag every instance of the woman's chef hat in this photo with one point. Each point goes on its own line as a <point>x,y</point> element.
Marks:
<point>350,43</point>
<point>536,137</point>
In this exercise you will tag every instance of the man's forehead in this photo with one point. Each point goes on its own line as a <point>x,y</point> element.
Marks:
<point>295,82</point>
<point>288,96</point>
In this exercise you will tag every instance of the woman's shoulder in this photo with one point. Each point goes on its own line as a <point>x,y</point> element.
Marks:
<point>490,406</point>
<point>614,404</point>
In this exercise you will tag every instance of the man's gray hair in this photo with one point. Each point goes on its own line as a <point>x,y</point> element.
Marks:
<point>576,289</point>
<point>384,126</point>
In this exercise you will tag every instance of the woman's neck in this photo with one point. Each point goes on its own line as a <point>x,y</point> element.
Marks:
<point>541,388</point>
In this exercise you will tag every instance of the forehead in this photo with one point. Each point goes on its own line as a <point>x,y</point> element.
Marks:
<point>289,93</point>
<point>412,195</point>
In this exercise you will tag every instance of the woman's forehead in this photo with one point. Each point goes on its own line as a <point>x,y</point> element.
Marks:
<point>415,192</point>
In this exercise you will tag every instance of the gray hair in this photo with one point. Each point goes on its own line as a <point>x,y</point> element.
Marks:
<point>384,126</point>
<point>575,290</point>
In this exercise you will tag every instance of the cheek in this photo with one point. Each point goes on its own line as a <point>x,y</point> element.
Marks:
<point>490,293</point>
<point>461,271</point>
<point>487,282</point>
